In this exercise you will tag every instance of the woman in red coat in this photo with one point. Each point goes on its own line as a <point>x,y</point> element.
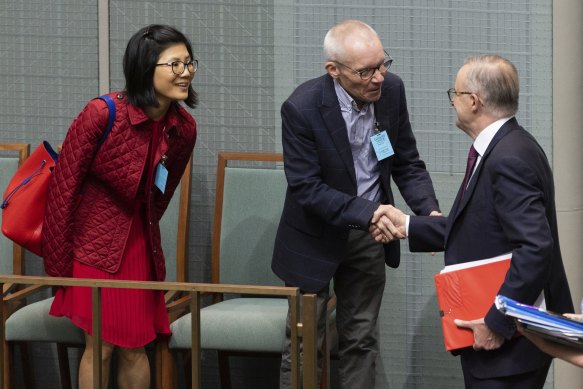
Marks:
<point>104,202</point>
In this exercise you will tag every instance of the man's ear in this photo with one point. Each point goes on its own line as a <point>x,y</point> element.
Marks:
<point>476,102</point>
<point>332,69</point>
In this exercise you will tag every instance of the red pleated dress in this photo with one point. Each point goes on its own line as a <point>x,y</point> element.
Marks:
<point>130,318</point>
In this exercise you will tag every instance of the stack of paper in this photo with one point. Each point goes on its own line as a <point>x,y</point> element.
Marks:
<point>544,323</point>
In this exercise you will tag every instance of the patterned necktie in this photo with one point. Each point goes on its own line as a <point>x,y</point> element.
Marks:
<point>472,157</point>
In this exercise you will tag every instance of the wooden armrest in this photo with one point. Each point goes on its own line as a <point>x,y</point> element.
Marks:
<point>7,289</point>
<point>177,294</point>
<point>171,295</point>
<point>24,293</point>
<point>178,307</point>
<point>179,303</point>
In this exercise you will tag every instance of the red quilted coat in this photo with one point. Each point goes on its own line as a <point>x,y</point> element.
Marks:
<point>89,205</point>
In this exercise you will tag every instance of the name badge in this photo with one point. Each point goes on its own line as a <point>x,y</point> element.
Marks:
<point>161,177</point>
<point>382,145</point>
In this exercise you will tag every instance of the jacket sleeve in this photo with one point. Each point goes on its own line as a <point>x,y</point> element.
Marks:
<point>65,187</point>
<point>408,171</point>
<point>426,233</point>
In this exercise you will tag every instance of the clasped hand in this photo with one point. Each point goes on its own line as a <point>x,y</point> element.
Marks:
<point>387,224</point>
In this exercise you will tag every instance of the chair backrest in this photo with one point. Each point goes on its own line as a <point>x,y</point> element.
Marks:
<point>11,157</point>
<point>174,229</point>
<point>249,200</point>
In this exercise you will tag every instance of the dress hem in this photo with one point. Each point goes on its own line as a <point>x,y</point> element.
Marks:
<point>85,328</point>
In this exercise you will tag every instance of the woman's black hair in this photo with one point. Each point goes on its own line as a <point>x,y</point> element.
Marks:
<point>139,62</point>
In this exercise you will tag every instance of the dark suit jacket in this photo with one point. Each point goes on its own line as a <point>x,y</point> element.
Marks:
<point>321,204</point>
<point>509,206</point>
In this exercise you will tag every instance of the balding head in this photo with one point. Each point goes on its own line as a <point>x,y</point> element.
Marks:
<point>495,80</point>
<point>349,35</point>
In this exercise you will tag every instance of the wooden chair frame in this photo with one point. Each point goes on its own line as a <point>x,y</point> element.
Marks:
<point>167,358</point>
<point>184,225</point>
<point>224,159</point>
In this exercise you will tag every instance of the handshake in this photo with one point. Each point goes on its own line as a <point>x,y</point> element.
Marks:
<point>389,223</point>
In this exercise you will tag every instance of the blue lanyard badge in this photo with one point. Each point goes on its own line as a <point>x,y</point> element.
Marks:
<point>382,145</point>
<point>161,176</point>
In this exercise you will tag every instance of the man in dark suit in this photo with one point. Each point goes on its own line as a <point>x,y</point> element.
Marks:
<point>345,134</point>
<point>506,205</point>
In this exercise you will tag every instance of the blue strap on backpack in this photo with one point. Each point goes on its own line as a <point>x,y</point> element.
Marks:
<point>111,107</point>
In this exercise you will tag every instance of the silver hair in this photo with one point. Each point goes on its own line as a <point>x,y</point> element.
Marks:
<point>333,41</point>
<point>495,80</point>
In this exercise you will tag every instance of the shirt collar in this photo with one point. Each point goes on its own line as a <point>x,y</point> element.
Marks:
<point>485,137</point>
<point>346,101</point>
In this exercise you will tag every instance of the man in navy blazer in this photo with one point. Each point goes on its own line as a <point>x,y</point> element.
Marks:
<point>336,181</point>
<point>507,206</point>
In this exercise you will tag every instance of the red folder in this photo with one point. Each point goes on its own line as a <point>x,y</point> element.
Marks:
<point>467,291</point>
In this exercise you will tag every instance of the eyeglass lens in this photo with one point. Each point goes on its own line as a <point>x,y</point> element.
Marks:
<point>383,68</point>
<point>178,67</point>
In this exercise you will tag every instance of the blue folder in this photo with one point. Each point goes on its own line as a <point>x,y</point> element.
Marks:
<point>547,324</point>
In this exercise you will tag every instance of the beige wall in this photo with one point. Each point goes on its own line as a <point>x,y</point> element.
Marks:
<point>567,154</point>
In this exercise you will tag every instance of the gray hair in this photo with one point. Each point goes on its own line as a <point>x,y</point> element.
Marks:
<point>336,36</point>
<point>495,80</point>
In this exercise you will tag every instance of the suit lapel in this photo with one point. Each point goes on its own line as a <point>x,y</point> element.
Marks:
<point>330,110</point>
<point>460,204</point>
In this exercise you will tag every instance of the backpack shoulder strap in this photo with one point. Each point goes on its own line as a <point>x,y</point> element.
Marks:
<point>111,107</point>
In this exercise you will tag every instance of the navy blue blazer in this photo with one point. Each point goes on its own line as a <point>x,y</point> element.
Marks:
<point>509,206</point>
<point>321,203</point>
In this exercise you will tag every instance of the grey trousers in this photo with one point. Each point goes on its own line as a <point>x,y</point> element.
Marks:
<point>359,284</point>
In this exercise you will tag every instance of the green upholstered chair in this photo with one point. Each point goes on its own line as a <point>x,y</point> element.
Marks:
<point>250,192</point>
<point>12,255</point>
<point>11,157</point>
<point>32,323</point>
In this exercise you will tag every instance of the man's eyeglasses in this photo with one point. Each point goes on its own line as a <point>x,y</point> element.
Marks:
<point>366,74</point>
<point>451,92</point>
<point>179,66</point>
